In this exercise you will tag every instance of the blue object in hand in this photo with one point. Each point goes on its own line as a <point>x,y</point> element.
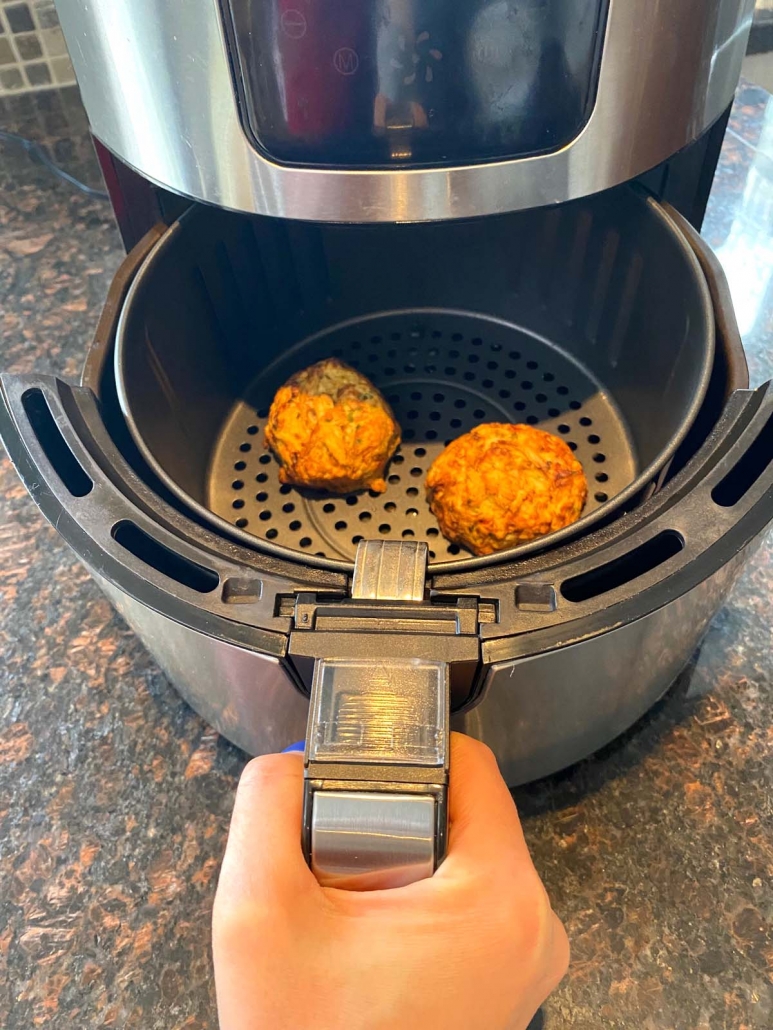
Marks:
<point>298,746</point>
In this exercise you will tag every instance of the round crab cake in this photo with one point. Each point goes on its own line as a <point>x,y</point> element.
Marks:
<point>501,485</point>
<point>331,429</point>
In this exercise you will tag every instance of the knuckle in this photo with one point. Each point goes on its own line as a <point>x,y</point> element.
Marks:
<point>263,771</point>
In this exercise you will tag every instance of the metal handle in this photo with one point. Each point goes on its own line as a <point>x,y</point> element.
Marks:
<point>376,762</point>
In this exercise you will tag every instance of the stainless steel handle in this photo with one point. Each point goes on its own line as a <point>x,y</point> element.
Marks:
<point>376,763</point>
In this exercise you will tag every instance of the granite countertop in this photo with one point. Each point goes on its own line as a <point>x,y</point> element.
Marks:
<point>115,796</point>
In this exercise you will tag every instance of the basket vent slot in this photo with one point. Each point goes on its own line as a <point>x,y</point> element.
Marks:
<point>747,470</point>
<point>175,566</point>
<point>624,569</point>
<point>54,445</point>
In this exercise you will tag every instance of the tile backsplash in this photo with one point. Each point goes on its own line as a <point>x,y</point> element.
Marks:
<point>33,54</point>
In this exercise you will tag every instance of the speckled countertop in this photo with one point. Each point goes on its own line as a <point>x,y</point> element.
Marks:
<point>115,797</point>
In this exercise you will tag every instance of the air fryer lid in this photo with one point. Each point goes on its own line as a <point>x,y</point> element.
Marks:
<point>592,320</point>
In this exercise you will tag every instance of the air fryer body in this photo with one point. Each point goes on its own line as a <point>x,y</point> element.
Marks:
<point>406,110</point>
<point>402,112</point>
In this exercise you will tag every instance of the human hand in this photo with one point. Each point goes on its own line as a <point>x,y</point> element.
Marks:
<point>475,946</point>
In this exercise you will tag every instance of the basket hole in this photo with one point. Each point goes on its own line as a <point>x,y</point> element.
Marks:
<point>479,413</point>
<point>477,341</point>
<point>246,447</point>
<point>252,430</point>
<point>572,445</point>
<point>351,500</point>
<point>287,508</point>
<point>262,496</point>
<point>375,339</point>
<point>540,398</point>
<point>305,541</point>
<point>398,459</point>
<point>295,525</point>
<point>416,471</point>
<point>593,438</point>
<point>456,337</point>
<point>585,421</point>
<point>504,394</point>
<point>438,398</point>
<point>238,484</point>
<point>420,452</point>
<point>532,365</point>
<point>413,512</point>
<point>434,416</point>
<point>240,466</point>
<point>564,428</point>
<point>473,359</point>
<point>575,405</point>
<point>415,396</point>
<point>469,376</point>
<point>409,434</point>
<point>328,508</point>
<point>262,412</point>
<point>519,406</point>
<point>264,459</point>
<point>548,377</point>
<point>409,368</point>
<point>357,537</point>
<point>393,479</point>
<point>487,384</point>
<point>262,477</point>
<point>285,489</point>
<point>365,516</point>
<point>238,503</point>
<point>436,334</point>
<point>455,423</point>
<point>450,371</point>
<point>433,531</point>
<point>242,523</point>
<point>515,355</point>
<point>532,420</point>
<point>492,365</point>
<point>431,434</point>
<point>412,491</point>
<point>407,533</point>
<point>341,525</point>
<point>509,374</point>
<point>553,412</point>
<point>431,554</point>
<point>265,516</point>
<point>599,458</point>
<point>601,477</point>
<point>601,497</point>
<point>460,404</point>
<point>527,385</point>
<point>563,390</point>
<point>390,506</point>
<point>384,528</point>
<point>453,354</point>
<point>454,549</point>
<point>272,534</point>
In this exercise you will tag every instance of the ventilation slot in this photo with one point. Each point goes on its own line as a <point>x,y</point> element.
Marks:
<point>54,445</point>
<point>162,559</point>
<point>747,471</point>
<point>625,569</point>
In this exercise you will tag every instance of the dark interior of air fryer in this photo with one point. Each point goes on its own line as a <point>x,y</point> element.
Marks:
<point>590,320</point>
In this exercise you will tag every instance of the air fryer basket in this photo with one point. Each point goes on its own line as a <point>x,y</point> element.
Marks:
<point>592,320</point>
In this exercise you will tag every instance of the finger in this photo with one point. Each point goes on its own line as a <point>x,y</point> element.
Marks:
<point>263,858</point>
<point>483,822</point>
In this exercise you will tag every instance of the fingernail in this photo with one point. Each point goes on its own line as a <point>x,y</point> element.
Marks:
<point>299,746</point>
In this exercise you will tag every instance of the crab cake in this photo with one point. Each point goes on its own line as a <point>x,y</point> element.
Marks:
<point>501,485</point>
<point>332,430</point>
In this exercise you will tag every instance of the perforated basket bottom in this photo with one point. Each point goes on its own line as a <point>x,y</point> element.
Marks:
<point>443,373</point>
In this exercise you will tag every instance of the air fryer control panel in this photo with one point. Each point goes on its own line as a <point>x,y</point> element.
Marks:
<point>379,83</point>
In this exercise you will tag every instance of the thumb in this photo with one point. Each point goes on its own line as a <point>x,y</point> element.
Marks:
<point>263,861</point>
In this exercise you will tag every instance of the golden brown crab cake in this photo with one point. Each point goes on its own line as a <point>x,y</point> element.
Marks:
<point>331,429</point>
<point>501,485</point>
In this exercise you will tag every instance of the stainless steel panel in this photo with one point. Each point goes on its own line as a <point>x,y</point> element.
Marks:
<point>370,841</point>
<point>543,713</point>
<point>246,696</point>
<point>156,82</point>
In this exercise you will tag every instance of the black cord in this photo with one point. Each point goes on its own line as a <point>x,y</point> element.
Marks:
<point>37,151</point>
